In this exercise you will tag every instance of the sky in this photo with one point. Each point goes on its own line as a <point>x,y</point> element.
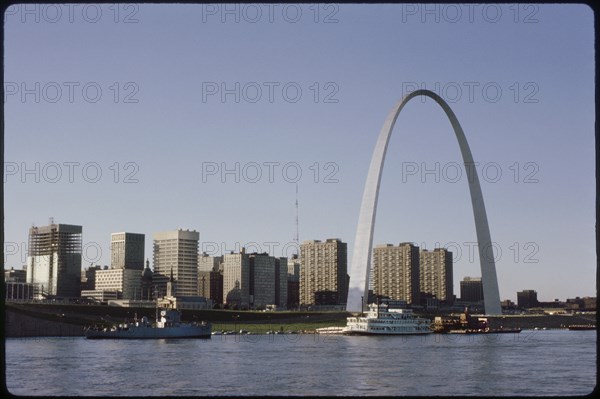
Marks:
<point>147,118</point>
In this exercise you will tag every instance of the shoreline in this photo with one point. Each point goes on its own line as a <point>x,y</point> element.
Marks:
<point>43,320</point>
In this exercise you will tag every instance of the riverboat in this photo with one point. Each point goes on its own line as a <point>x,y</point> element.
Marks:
<point>383,320</point>
<point>577,327</point>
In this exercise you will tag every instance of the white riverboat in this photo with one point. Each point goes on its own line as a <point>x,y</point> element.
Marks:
<point>168,325</point>
<point>382,320</point>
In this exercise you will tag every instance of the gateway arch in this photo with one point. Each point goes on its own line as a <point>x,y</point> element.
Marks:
<point>363,241</point>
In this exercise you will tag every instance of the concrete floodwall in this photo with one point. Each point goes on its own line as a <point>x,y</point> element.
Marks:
<point>20,325</point>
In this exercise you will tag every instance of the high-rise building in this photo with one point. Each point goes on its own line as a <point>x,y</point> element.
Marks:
<point>281,282</point>
<point>176,252</point>
<point>471,289</point>
<point>268,281</point>
<point>254,280</point>
<point>436,274</point>
<point>323,274</point>
<point>127,251</point>
<point>293,281</point>
<point>236,280</point>
<point>527,299</point>
<point>54,260</point>
<point>210,277</point>
<point>396,272</point>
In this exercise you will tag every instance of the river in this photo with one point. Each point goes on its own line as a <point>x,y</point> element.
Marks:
<point>551,362</point>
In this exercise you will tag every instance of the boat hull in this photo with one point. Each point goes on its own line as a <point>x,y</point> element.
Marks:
<point>386,333</point>
<point>502,331</point>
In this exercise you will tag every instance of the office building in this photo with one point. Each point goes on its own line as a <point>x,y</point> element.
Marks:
<point>471,289</point>
<point>127,282</point>
<point>236,280</point>
<point>527,299</point>
<point>396,272</point>
<point>127,251</point>
<point>435,274</point>
<point>254,281</point>
<point>293,281</point>
<point>54,260</point>
<point>323,272</point>
<point>177,252</point>
<point>268,281</point>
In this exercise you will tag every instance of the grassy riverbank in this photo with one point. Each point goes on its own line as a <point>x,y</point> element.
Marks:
<point>263,328</point>
<point>69,319</point>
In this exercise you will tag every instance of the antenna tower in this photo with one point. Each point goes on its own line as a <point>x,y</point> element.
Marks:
<point>297,237</point>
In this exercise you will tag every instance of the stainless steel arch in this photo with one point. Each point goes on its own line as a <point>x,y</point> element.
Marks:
<point>363,242</point>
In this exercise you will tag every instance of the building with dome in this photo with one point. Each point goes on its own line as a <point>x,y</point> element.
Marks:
<point>146,283</point>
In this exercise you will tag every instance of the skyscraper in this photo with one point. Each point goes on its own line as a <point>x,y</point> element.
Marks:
<point>396,272</point>
<point>176,251</point>
<point>436,273</point>
<point>323,274</point>
<point>127,251</point>
<point>54,260</point>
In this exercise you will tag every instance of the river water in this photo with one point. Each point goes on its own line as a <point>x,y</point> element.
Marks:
<point>551,362</point>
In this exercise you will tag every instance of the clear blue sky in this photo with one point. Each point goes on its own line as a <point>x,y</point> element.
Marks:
<point>520,78</point>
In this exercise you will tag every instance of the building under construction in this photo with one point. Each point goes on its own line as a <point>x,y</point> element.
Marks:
<point>54,261</point>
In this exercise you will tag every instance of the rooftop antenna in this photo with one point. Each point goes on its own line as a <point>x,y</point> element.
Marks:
<point>297,237</point>
<point>51,220</point>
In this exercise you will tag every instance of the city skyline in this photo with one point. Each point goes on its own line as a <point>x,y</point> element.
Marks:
<point>171,159</point>
<point>255,251</point>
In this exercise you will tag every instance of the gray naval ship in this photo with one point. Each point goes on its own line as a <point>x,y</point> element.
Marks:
<point>168,325</point>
